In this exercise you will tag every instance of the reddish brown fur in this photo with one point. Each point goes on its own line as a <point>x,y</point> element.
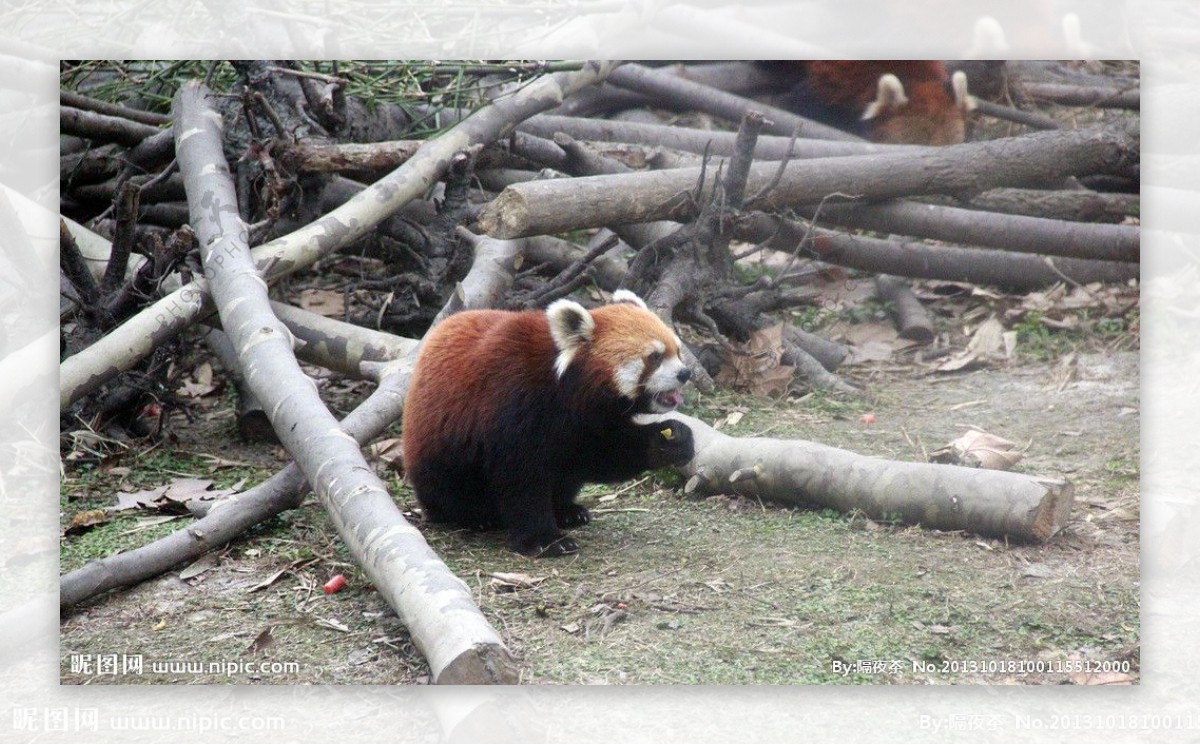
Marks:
<point>459,348</point>
<point>931,117</point>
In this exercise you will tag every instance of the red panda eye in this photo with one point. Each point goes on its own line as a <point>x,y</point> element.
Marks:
<point>655,357</point>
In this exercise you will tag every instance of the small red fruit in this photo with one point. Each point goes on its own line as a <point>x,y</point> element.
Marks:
<point>335,584</point>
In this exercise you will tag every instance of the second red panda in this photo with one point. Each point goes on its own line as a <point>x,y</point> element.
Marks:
<point>913,102</point>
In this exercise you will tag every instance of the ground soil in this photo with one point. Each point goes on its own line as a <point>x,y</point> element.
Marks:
<point>668,589</point>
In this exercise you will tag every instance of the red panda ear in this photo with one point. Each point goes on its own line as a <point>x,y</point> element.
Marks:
<point>963,99</point>
<point>625,296</point>
<point>890,95</point>
<point>571,325</point>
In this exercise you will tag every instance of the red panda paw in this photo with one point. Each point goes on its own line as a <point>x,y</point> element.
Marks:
<point>572,516</point>
<point>670,444</point>
<point>538,547</point>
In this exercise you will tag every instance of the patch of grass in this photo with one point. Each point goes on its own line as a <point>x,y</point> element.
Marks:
<point>1038,341</point>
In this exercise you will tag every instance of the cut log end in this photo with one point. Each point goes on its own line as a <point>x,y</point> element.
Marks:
<point>1054,510</point>
<point>482,664</point>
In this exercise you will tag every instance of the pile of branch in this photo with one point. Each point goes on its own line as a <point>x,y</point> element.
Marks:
<point>172,206</point>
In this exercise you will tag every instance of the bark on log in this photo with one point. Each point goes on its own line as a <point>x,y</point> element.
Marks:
<point>1034,119</point>
<point>1042,158</point>
<point>728,106</point>
<point>990,503</point>
<point>435,606</point>
<point>103,128</point>
<point>340,346</point>
<point>1081,95</point>
<point>699,141</point>
<point>1018,233</point>
<point>1015,272</point>
<point>1083,206</point>
<point>128,343</point>
<point>87,103</point>
<point>911,318</point>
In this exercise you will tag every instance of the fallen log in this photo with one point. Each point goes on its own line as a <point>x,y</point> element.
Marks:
<point>436,607</point>
<point>999,504</point>
<point>1043,158</point>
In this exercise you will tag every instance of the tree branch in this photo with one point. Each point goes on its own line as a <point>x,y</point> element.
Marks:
<point>435,606</point>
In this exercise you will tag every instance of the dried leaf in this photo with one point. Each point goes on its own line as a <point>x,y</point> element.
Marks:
<point>172,498</point>
<point>729,419</point>
<point>869,342</point>
<point>1106,678</point>
<point>871,351</point>
<point>215,462</point>
<point>1038,570</point>
<point>979,449</point>
<point>756,365</point>
<point>966,360</point>
<point>988,339</point>
<point>199,566</point>
<point>82,522</point>
<point>297,564</point>
<point>387,451</point>
<point>199,383</point>
<point>140,500</point>
<point>262,641</point>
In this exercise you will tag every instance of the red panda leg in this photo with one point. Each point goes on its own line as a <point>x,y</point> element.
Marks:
<point>527,509</point>
<point>448,495</point>
<point>568,514</point>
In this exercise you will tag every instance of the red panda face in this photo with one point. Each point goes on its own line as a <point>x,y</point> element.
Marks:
<point>930,112</point>
<point>622,346</point>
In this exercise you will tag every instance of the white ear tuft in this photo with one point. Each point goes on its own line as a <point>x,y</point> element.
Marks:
<point>889,95</point>
<point>964,100</point>
<point>571,325</point>
<point>625,296</point>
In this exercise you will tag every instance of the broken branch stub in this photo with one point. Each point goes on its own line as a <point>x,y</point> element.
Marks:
<point>990,503</point>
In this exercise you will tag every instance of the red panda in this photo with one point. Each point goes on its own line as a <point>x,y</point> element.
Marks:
<point>509,414</point>
<point>910,102</point>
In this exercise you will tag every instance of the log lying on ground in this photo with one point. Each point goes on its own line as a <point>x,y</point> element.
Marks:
<point>433,604</point>
<point>1082,205</point>
<point>1035,235</point>
<point>1034,119</point>
<point>990,503</point>
<point>337,345</point>
<point>131,341</point>
<point>1043,158</point>
<point>911,319</point>
<point>1015,272</point>
<point>699,97</point>
<point>102,127</point>
<point>1082,95</point>
<point>697,141</point>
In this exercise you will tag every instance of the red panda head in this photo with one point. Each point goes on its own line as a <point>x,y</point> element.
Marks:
<point>622,347</point>
<point>929,113</point>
